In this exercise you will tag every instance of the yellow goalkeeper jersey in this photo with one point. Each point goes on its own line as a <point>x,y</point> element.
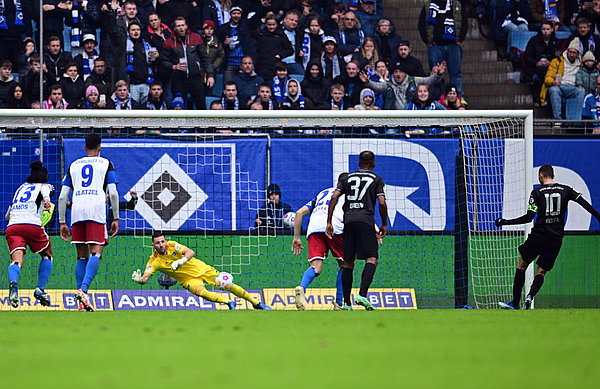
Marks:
<point>194,268</point>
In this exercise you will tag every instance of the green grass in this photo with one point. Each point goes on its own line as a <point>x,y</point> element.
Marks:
<point>316,349</point>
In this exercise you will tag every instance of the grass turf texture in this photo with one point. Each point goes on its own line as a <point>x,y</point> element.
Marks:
<point>316,349</point>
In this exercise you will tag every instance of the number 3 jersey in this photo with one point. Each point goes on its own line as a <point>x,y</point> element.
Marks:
<point>89,177</point>
<point>361,189</point>
<point>28,204</point>
<point>550,202</point>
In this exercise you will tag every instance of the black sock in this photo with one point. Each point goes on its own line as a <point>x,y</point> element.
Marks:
<point>518,286</point>
<point>538,281</point>
<point>367,278</point>
<point>347,285</point>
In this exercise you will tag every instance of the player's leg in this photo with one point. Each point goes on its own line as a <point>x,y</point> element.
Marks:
<point>350,238</point>
<point>91,269</point>
<point>209,277</point>
<point>336,245</point>
<point>518,283</point>
<point>368,249</point>
<point>317,251</point>
<point>196,286</point>
<point>536,285</point>
<point>545,263</point>
<point>83,255</point>
<point>17,246</point>
<point>39,242</point>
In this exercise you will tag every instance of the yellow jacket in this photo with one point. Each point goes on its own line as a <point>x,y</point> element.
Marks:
<point>557,66</point>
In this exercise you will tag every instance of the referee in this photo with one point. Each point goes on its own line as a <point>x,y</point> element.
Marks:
<point>362,189</point>
<point>550,202</point>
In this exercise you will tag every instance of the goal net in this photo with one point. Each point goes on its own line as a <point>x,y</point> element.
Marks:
<point>202,178</point>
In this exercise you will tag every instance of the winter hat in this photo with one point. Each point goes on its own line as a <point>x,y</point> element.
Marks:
<point>208,23</point>
<point>329,39</point>
<point>178,101</point>
<point>588,57</point>
<point>368,92</point>
<point>89,37</point>
<point>236,8</point>
<point>574,44</point>
<point>451,87</point>
<point>91,89</point>
<point>273,189</point>
<point>400,66</point>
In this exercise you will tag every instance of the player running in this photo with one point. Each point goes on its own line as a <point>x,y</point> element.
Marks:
<point>24,217</point>
<point>362,189</point>
<point>177,261</point>
<point>90,178</point>
<point>550,202</point>
<point>318,243</point>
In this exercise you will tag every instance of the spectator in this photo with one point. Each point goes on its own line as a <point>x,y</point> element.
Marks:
<point>587,74</point>
<point>247,82</point>
<point>158,32</point>
<point>338,100</point>
<point>588,40</point>
<point>237,39</point>
<point>31,81</point>
<point>134,58</point>
<point>55,101</point>
<point>514,15</point>
<point>367,101</point>
<point>22,65</point>
<point>186,55</point>
<point>270,216</point>
<point>587,9</point>
<point>16,98</point>
<point>92,99</point>
<point>436,90</point>
<point>352,82</point>
<point>279,81</point>
<point>261,10</point>
<point>386,40</point>
<point>542,10</point>
<point>314,85</point>
<point>121,99</point>
<point>541,49</point>
<point>85,60</point>
<point>73,86</point>
<point>16,26</point>
<point>156,97</point>
<point>382,74</point>
<point>367,56</point>
<point>214,47</point>
<point>265,97</point>
<point>218,106</point>
<point>172,9</point>
<point>273,45</point>
<point>560,81</point>
<point>331,23</point>
<point>83,18</point>
<point>101,78</point>
<point>217,11</point>
<point>451,99</point>
<point>350,35</point>
<point>178,102</point>
<point>294,99</point>
<point>413,66</point>
<point>331,61</point>
<point>305,11</point>
<point>591,107</point>
<point>256,106</point>
<point>398,92</point>
<point>230,100</point>
<point>423,100</point>
<point>6,80</point>
<point>367,17</point>
<point>295,36</point>
<point>312,41</point>
<point>443,27</point>
<point>54,13</point>
<point>55,59</point>
<point>115,27</point>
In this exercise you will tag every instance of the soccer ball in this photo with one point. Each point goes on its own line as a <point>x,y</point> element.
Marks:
<point>224,281</point>
<point>289,219</point>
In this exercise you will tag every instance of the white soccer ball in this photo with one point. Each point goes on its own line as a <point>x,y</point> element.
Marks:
<point>289,219</point>
<point>224,281</point>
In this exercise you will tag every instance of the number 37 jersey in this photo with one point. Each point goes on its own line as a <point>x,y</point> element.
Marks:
<point>550,202</point>
<point>361,188</point>
<point>89,178</point>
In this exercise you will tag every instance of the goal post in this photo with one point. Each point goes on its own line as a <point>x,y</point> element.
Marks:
<point>202,177</point>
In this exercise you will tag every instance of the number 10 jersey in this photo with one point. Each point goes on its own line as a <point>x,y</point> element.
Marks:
<point>550,202</point>
<point>89,178</point>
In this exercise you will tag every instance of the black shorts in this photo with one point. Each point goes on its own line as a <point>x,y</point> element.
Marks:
<point>360,241</point>
<point>546,249</point>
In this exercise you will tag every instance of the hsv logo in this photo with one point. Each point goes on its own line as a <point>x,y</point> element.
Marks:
<point>415,186</point>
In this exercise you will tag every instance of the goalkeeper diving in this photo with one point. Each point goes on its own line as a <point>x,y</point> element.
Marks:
<point>177,261</point>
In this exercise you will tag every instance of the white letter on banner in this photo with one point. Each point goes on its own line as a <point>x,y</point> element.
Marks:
<point>139,301</point>
<point>125,301</point>
<point>155,301</point>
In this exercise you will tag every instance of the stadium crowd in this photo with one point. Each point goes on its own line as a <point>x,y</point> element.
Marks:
<point>224,54</point>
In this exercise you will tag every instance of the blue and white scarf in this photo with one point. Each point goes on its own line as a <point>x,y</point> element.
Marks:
<point>76,21</point>
<point>236,103</point>
<point>222,14</point>
<point>301,99</point>
<point>591,44</point>
<point>125,105</point>
<point>449,30</point>
<point>88,63</point>
<point>551,10</point>
<point>341,104</point>
<point>306,49</point>
<point>335,63</point>
<point>150,105</point>
<point>278,92</point>
<point>361,37</point>
<point>18,14</point>
<point>130,55</point>
<point>596,111</point>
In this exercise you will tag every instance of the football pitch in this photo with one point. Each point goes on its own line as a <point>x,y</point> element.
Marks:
<point>312,349</point>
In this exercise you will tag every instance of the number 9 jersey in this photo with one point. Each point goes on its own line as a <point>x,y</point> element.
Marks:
<point>89,177</point>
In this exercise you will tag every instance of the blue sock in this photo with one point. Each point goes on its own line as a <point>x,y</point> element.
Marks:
<point>44,271</point>
<point>14,271</point>
<point>80,271</point>
<point>339,291</point>
<point>308,277</point>
<point>90,272</point>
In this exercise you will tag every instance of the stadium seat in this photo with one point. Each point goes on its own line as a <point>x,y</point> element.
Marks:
<point>209,100</point>
<point>297,77</point>
<point>516,45</point>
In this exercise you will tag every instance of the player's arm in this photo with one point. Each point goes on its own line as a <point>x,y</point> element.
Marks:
<point>297,243</point>
<point>7,216</point>
<point>62,212</point>
<point>187,255</point>
<point>587,206</point>
<point>334,199</point>
<point>140,278</point>
<point>383,212</point>
<point>113,196</point>
<point>528,217</point>
<point>46,191</point>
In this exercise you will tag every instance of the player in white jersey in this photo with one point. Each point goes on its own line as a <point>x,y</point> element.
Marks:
<point>318,243</point>
<point>24,217</point>
<point>90,178</point>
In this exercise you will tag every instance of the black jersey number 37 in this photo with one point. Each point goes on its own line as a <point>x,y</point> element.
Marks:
<point>358,187</point>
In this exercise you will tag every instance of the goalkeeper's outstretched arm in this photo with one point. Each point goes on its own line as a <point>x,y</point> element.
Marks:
<point>520,220</point>
<point>139,278</point>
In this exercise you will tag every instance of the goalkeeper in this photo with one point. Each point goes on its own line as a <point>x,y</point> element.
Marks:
<point>177,261</point>
<point>550,202</point>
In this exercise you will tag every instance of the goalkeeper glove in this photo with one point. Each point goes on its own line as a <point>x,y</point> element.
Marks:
<point>137,276</point>
<point>177,264</point>
<point>500,222</point>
